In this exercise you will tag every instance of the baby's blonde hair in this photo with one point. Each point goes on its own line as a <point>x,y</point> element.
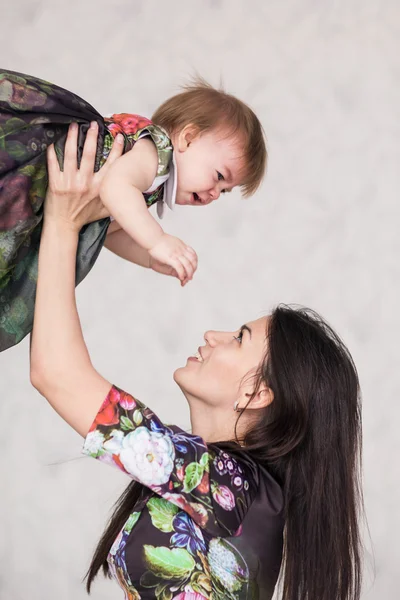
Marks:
<point>205,107</point>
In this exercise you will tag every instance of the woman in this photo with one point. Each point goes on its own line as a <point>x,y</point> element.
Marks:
<point>270,474</point>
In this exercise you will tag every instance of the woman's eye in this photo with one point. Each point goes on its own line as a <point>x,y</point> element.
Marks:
<point>220,176</point>
<point>239,337</point>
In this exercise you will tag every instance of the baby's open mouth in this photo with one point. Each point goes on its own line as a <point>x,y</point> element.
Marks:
<point>196,197</point>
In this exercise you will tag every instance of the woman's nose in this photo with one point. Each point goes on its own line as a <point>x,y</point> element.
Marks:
<point>217,337</point>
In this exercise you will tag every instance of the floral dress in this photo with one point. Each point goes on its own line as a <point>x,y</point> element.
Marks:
<point>208,524</point>
<point>33,115</point>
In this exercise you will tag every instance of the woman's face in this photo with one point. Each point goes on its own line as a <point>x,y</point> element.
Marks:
<point>221,372</point>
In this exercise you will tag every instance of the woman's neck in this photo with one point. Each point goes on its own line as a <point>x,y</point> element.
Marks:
<point>214,424</point>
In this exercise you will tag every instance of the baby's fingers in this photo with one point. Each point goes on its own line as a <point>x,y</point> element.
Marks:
<point>191,256</point>
<point>180,270</point>
<point>188,266</point>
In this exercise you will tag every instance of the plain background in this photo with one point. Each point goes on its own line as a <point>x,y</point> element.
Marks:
<point>323,76</point>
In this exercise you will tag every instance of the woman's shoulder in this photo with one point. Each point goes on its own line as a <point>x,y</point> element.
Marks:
<point>261,477</point>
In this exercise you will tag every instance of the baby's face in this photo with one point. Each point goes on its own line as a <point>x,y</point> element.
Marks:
<point>208,164</point>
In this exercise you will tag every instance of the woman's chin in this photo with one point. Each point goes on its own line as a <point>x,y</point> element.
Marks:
<point>183,377</point>
<point>178,375</point>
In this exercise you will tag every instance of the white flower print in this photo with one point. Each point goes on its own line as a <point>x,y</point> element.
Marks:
<point>114,444</point>
<point>224,565</point>
<point>148,456</point>
<point>94,442</point>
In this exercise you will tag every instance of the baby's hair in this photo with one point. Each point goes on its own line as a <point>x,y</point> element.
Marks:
<point>207,108</point>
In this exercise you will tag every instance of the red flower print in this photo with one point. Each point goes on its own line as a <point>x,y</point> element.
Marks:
<point>189,596</point>
<point>126,123</point>
<point>118,462</point>
<point>180,472</point>
<point>204,485</point>
<point>108,413</point>
<point>198,513</point>
<point>127,401</point>
<point>15,203</point>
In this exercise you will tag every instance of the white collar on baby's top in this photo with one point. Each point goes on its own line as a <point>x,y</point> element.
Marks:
<point>170,187</point>
<point>170,184</point>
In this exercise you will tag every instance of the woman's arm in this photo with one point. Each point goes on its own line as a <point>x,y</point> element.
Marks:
<point>61,368</point>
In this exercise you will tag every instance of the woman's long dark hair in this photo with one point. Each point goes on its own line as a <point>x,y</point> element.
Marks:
<point>310,439</point>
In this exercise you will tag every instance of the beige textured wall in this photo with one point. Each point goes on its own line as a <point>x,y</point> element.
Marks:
<point>324,78</point>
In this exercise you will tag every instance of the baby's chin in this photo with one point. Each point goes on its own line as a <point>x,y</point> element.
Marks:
<point>184,202</point>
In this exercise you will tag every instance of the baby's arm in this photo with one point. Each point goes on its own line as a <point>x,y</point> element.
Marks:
<point>122,193</point>
<point>123,245</point>
<point>119,242</point>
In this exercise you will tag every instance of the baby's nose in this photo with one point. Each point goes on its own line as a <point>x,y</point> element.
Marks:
<point>214,194</point>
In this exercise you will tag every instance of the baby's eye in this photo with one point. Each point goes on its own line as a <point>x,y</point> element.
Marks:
<point>220,176</point>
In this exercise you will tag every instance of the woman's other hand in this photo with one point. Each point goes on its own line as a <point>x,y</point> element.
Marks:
<point>73,194</point>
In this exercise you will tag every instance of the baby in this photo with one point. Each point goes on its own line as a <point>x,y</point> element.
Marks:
<point>199,144</point>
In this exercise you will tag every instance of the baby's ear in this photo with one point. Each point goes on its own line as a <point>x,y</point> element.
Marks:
<point>189,133</point>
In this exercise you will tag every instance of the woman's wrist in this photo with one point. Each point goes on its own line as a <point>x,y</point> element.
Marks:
<point>61,235</point>
<point>61,226</point>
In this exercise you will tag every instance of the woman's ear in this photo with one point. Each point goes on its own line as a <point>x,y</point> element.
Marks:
<point>263,398</point>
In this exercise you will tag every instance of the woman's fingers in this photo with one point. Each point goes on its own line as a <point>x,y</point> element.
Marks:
<point>116,150</point>
<point>70,152</point>
<point>89,150</point>
<point>53,167</point>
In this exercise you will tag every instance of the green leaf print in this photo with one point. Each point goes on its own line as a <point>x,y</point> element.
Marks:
<point>162,513</point>
<point>28,170</point>
<point>13,125</point>
<point>149,580</point>
<point>37,192</point>
<point>201,583</point>
<point>162,592</point>
<point>16,150</point>
<point>137,417</point>
<point>204,461</point>
<point>126,424</point>
<point>168,564</point>
<point>15,318</point>
<point>131,522</point>
<point>193,475</point>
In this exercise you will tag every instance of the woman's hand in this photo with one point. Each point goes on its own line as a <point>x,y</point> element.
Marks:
<point>73,194</point>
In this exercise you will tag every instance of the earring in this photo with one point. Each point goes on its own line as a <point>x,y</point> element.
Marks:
<point>235,406</point>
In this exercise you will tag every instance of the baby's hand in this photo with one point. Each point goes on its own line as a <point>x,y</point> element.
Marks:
<point>174,253</point>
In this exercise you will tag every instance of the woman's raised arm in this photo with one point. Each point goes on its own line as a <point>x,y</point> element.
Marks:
<point>61,369</point>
